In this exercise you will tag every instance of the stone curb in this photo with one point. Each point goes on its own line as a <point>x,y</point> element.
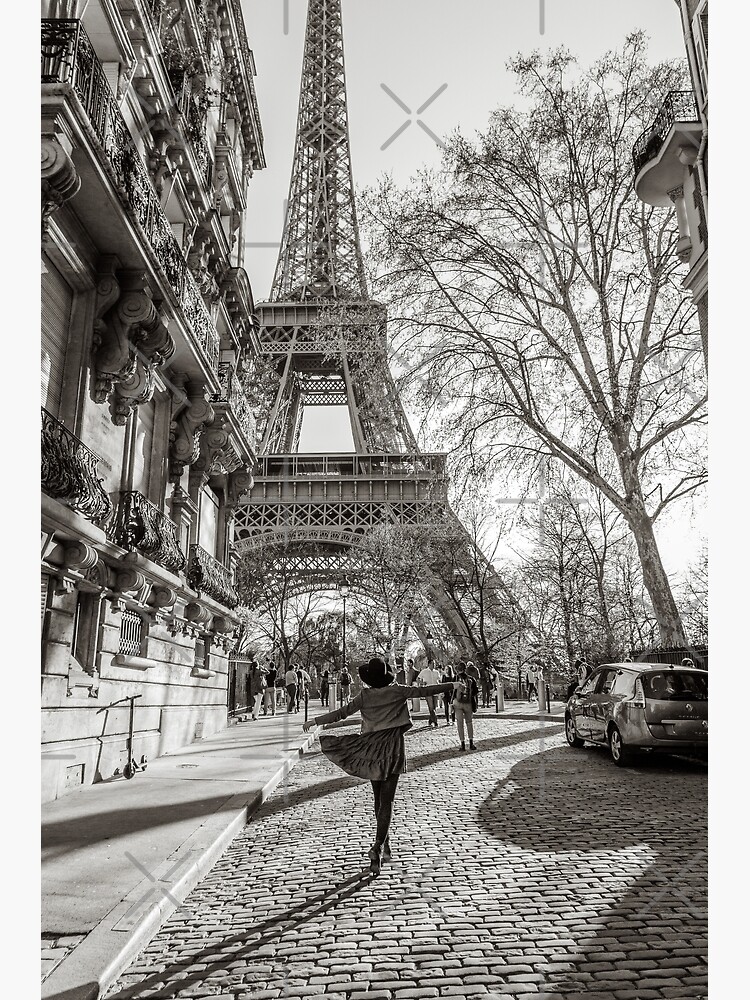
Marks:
<point>106,951</point>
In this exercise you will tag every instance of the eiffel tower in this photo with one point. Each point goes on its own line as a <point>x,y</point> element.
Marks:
<point>324,338</point>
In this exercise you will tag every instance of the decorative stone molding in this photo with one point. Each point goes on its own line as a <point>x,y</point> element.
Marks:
<point>131,342</point>
<point>133,585</point>
<point>60,180</point>
<point>197,614</point>
<point>239,482</point>
<point>188,424</point>
<point>78,559</point>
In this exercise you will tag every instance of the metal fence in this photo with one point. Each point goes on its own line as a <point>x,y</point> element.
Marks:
<point>673,654</point>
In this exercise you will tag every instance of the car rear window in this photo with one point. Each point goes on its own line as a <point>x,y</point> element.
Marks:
<point>673,685</point>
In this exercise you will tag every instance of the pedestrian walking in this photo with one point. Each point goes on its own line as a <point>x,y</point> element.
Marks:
<point>465,703</point>
<point>291,690</point>
<point>429,677</point>
<point>448,677</point>
<point>346,684</point>
<point>325,686</point>
<point>530,685</point>
<point>377,752</point>
<point>485,680</point>
<point>269,695</point>
<point>303,687</point>
<point>256,680</point>
<point>411,673</point>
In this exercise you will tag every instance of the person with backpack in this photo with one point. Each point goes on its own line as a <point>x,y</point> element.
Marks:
<point>378,752</point>
<point>269,695</point>
<point>303,688</point>
<point>465,704</point>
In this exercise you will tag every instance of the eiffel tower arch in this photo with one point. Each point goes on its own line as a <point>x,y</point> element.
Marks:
<point>324,339</point>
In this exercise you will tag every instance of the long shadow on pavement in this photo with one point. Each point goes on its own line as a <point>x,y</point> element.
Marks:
<point>267,930</point>
<point>581,810</point>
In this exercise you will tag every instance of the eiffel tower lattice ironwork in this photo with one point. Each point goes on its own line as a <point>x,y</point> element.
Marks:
<point>324,338</point>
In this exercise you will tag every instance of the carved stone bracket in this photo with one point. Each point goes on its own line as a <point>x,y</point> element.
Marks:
<point>131,341</point>
<point>78,560</point>
<point>60,180</point>
<point>132,585</point>
<point>186,429</point>
<point>239,482</point>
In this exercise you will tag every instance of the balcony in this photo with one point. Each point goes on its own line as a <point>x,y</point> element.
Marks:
<point>232,395</point>
<point>69,58</point>
<point>208,576</point>
<point>349,466</point>
<point>141,526</point>
<point>69,472</point>
<point>656,165</point>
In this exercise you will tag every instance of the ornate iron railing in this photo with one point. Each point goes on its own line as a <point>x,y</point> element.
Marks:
<point>141,525</point>
<point>348,466</point>
<point>231,392</point>
<point>68,57</point>
<point>69,472</point>
<point>678,106</point>
<point>208,576</point>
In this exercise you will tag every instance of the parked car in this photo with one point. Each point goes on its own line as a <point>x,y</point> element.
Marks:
<point>632,707</point>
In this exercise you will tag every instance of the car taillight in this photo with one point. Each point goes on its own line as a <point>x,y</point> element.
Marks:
<point>639,698</point>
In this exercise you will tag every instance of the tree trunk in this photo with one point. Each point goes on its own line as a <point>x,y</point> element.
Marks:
<point>655,578</point>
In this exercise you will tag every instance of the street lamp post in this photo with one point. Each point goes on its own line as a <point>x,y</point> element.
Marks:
<point>344,591</point>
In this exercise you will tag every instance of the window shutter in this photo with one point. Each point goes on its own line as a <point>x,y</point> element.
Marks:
<point>700,40</point>
<point>144,441</point>
<point>57,301</point>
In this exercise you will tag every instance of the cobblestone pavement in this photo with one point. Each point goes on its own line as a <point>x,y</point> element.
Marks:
<point>525,868</point>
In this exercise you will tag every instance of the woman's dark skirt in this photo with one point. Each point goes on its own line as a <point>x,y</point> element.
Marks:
<point>375,756</point>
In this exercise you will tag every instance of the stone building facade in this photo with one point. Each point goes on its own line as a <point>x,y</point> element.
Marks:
<point>150,136</point>
<point>671,159</point>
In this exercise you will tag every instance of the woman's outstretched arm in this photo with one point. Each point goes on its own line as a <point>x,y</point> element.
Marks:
<point>336,715</point>
<point>421,691</point>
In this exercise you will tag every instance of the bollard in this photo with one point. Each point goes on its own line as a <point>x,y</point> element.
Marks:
<point>546,686</point>
<point>306,703</point>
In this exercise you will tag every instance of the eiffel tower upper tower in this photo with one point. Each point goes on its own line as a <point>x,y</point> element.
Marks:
<point>325,337</point>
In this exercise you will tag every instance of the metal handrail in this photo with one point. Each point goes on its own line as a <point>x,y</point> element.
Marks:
<point>678,106</point>
<point>397,466</point>
<point>233,393</point>
<point>70,471</point>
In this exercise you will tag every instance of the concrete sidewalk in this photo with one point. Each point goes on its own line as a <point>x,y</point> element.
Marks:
<point>118,857</point>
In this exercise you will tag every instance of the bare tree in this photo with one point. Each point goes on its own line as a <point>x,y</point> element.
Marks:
<point>539,302</point>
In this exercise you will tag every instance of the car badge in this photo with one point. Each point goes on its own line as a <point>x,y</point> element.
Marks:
<point>689,708</point>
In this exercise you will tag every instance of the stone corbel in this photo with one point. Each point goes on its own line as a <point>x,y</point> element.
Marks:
<point>133,586</point>
<point>60,180</point>
<point>132,341</point>
<point>239,483</point>
<point>186,429</point>
<point>78,560</point>
<point>198,615</point>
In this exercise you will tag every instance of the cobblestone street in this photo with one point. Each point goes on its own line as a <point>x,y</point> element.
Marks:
<point>525,868</point>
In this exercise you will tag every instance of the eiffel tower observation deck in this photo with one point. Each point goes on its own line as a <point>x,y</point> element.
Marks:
<point>325,340</point>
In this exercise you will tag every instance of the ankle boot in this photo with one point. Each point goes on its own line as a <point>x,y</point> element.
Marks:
<point>387,849</point>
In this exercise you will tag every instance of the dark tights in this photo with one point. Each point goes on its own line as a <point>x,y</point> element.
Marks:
<point>384,792</point>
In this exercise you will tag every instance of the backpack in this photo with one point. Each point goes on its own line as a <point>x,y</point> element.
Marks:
<point>473,693</point>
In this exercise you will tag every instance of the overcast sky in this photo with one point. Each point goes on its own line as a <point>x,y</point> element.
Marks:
<point>415,48</point>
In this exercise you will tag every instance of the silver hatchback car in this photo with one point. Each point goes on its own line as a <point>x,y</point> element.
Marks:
<point>640,706</point>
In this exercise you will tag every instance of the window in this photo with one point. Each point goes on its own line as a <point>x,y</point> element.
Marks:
<point>57,302</point>
<point>200,654</point>
<point>590,684</point>
<point>674,685</point>
<point>700,40</point>
<point>606,681</point>
<point>131,633</point>
<point>624,683</point>
<point>144,443</point>
<point>209,520</point>
<point>85,643</point>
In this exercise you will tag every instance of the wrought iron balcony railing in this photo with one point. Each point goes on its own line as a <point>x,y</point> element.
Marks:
<point>678,106</point>
<point>69,58</point>
<point>208,576</point>
<point>231,392</point>
<point>69,472</point>
<point>141,525</point>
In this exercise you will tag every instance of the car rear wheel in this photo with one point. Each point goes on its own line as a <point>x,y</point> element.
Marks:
<point>620,754</point>
<point>574,740</point>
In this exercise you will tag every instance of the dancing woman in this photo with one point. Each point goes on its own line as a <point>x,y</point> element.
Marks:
<point>377,752</point>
